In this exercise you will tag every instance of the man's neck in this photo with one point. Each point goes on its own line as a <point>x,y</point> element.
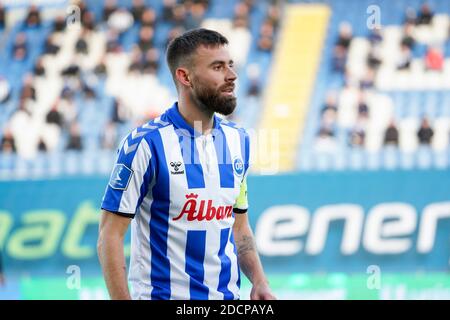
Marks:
<point>202,121</point>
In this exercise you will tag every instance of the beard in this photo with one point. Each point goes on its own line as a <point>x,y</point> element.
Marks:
<point>212,100</point>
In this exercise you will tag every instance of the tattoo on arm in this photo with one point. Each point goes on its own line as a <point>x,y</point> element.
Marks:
<point>246,254</point>
<point>245,245</point>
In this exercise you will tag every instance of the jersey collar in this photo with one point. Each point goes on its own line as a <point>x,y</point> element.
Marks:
<point>179,123</point>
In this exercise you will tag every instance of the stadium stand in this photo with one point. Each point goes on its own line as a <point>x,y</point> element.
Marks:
<point>358,99</point>
<point>71,91</point>
<point>374,85</point>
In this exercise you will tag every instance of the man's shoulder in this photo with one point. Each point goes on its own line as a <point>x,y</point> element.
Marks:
<point>231,124</point>
<point>145,132</point>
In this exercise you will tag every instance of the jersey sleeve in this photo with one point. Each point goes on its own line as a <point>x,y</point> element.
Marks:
<point>130,177</point>
<point>241,204</point>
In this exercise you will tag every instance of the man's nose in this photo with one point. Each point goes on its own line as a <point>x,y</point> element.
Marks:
<point>231,75</point>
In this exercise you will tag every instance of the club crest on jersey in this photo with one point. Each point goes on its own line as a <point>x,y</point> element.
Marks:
<point>120,177</point>
<point>238,167</point>
<point>196,209</point>
<point>176,167</point>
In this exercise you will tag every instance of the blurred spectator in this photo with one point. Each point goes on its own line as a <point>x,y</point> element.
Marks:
<point>119,112</point>
<point>28,90</point>
<point>81,46</point>
<point>363,108</point>
<point>150,63</point>
<point>82,6</point>
<point>254,88</point>
<point>195,16</point>
<point>391,135</point>
<point>145,41</point>
<point>425,133</point>
<point>266,41</point>
<point>339,59</point>
<point>50,47</point>
<point>60,24</point>
<point>374,57</point>
<point>405,58</point>
<point>410,16</point>
<point>89,94</point>
<point>39,69</point>
<point>25,140</point>
<point>135,63</point>
<point>329,111</point>
<point>241,11</point>
<point>240,23</point>
<point>33,19</point>
<point>109,136</point>
<point>274,15</point>
<point>250,4</point>
<point>375,37</point>
<point>74,142</point>
<point>2,16</point>
<point>368,81</point>
<point>42,146</point>
<point>20,48</point>
<point>408,39</point>
<point>329,118</point>
<point>254,79</point>
<point>54,116</point>
<point>112,41</point>
<point>205,3</point>
<point>167,10</point>
<point>148,18</point>
<point>173,33</point>
<point>109,7</point>
<point>100,68</point>
<point>358,135</point>
<point>72,70</point>
<point>8,144</point>
<point>137,9</point>
<point>120,20</point>
<point>325,140</point>
<point>265,44</point>
<point>330,102</point>
<point>5,90</point>
<point>345,35</point>
<point>434,59</point>
<point>341,47</point>
<point>88,20</point>
<point>179,16</point>
<point>67,108</point>
<point>425,15</point>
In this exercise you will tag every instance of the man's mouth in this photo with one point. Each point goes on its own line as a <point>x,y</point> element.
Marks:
<point>228,90</point>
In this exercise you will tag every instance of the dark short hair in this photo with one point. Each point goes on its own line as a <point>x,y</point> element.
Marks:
<point>183,46</point>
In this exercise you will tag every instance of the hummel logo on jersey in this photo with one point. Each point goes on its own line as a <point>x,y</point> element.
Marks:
<point>176,167</point>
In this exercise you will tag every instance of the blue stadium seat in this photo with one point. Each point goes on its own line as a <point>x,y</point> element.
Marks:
<point>424,157</point>
<point>407,160</point>
<point>390,157</point>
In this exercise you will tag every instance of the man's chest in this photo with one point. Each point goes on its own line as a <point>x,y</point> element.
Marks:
<point>203,183</point>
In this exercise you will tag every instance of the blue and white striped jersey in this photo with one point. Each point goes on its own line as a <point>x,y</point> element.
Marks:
<point>182,188</point>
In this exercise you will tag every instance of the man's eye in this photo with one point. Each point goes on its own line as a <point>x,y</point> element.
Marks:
<point>217,68</point>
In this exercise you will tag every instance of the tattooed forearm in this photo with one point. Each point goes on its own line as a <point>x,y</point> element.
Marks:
<point>247,251</point>
<point>247,256</point>
<point>245,245</point>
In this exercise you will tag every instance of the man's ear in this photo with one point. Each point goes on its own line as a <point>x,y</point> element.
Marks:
<point>182,75</point>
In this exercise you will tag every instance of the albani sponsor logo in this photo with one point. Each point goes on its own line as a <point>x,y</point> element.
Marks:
<point>206,210</point>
